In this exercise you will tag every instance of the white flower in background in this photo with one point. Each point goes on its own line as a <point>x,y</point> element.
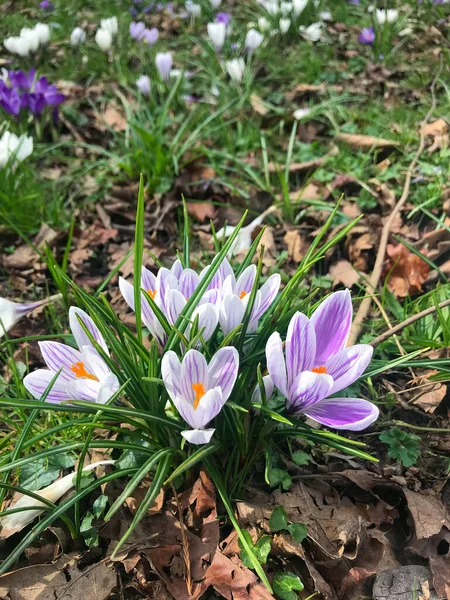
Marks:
<point>286,7</point>
<point>386,16</point>
<point>13,147</point>
<point>272,7</point>
<point>300,113</point>
<point>42,30</point>
<point>12,312</point>
<point>370,8</point>
<point>77,37</point>
<point>325,16</point>
<point>17,45</point>
<point>216,3</point>
<point>31,36</point>
<point>144,85</point>
<point>110,25</point>
<point>253,39</point>
<point>15,522</point>
<point>194,9</point>
<point>164,62</point>
<point>299,6</point>
<point>284,25</point>
<point>103,39</point>
<point>235,69</point>
<point>264,24</point>
<point>217,33</point>
<point>313,32</point>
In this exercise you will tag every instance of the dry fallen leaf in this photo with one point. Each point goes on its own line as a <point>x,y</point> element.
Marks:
<point>438,127</point>
<point>343,273</point>
<point>432,397</point>
<point>201,210</point>
<point>113,117</point>
<point>406,271</point>
<point>258,105</point>
<point>365,142</point>
<point>295,245</point>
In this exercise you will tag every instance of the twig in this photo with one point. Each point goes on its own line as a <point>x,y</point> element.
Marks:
<point>372,282</point>
<point>184,544</point>
<point>424,313</point>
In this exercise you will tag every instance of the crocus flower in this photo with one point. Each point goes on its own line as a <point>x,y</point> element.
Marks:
<point>164,62</point>
<point>84,375</point>
<point>31,36</point>
<point>150,36</point>
<point>386,16</point>
<point>223,17</point>
<point>217,33</point>
<point>235,297</point>
<point>137,29</point>
<point>367,36</point>
<point>284,25</point>
<point>15,522</point>
<point>286,7</point>
<point>216,3</point>
<point>14,148</point>
<point>77,37</point>
<point>12,312</point>
<point>194,9</point>
<point>316,364</point>
<point>272,7</point>
<point>111,24</point>
<point>313,32</point>
<point>17,45</point>
<point>299,6</point>
<point>144,85</point>
<point>42,31</point>
<point>253,39</point>
<point>263,24</point>
<point>199,390</point>
<point>103,39</point>
<point>10,100</point>
<point>46,5</point>
<point>235,69</point>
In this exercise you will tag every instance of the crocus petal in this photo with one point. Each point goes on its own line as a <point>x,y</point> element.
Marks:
<point>148,280</point>
<point>171,373</point>
<point>276,364</point>
<point>344,413</point>
<point>188,282</point>
<point>108,387</point>
<point>194,370</point>
<point>59,356</point>
<point>177,269</point>
<point>231,313</point>
<point>175,302</point>
<point>348,365</point>
<point>308,389</point>
<point>78,332</point>
<point>268,389</point>
<point>300,346</point>
<point>94,363</point>
<point>209,406</point>
<point>38,381</point>
<point>198,436</point>
<point>83,389</point>
<point>332,321</point>
<point>223,370</point>
<point>127,291</point>
<point>208,318</point>
<point>246,280</point>
<point>268,294</point>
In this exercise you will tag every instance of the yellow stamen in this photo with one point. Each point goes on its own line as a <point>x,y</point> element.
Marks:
<point>151,293</point>
<point>242,295</point>
<point>200,391</point>
<point>80,371</point>
<point>319,369</point>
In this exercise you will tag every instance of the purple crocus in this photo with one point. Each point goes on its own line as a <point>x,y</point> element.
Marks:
<point>84,375</point>
<point>223,17</point>
<point>316,364</point>
<point>150,36</point>
<point>21,80</point>
<point>164,62</point>
<point>199,390</point>
<point>10,100</point>
<point>47,5</point>
<point>137,29</point>
<point>367,36</point>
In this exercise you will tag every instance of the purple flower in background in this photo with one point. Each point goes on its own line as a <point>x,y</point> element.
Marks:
<point>353,2</point>
<point>44,94</point>
<point>164,62</point>
<point>10,100</point>
<point>47,5</point>
<point>367,36</point>
<point>223,17</point>
<point>147,9</point>
<point>137,29</point>
<point>84,374</point>
<point>21,80</point>
<point>316,364</point>
<point>24,92</point>
<point>150,36</point>
<point>133,12</point>
<point>198,390</point>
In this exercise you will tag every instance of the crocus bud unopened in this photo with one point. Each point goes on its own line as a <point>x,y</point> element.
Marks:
<point>110,25</point>
<point>77,37</point>
<point>103,39</point>
<point>235,69</point>
<point>217,33</point>
<point>164,63</point>
<point>144,85</point>
<point>253,39</point>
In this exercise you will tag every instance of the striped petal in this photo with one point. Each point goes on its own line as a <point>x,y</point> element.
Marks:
<point>208,319</point>
<point>223,370</point>
<point>245,281</point>
<point>332,321</point>
<point>268,293</point>
<point>276,364</point>
<point>308,389</point>
<point>38,381</point>
<point>348,365</point>
<point>108,387</point>
<point>83,389</point>
<point>300,346</point>
<point>59,356</point>
<point>198,436</point>
<point>209,406</point>
<point>352,414</point>
<point>231,313</point>
<point>78,332</point>
<point>194,371</point>
<point>171,374</point>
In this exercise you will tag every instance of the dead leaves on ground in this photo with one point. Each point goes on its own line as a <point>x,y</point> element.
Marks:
<point>406,272</point>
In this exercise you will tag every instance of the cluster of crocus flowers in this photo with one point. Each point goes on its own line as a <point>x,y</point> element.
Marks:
<point>315,365</point>
<point>105,34</point>
<point>22,91</point>
<point>29,40</point>
<point>140,32</point>
<point>76,374</point>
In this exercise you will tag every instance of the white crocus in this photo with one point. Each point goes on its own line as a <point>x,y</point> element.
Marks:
<point>42,30</point>
<point>104,39</point>
<point>272,7</point>
<point>235,69</point>
<point>194,9</point>
<point>111,24</point>
<point>243,240</point>
<point>286,7</point>
<point>15,522</point>
<point>217,33</point>
<point>143,83</point>
<point>264,24</point>
<point>386,16</point>
<point>15,148</point>
<point>12,312</point>
<point>253,39</point>
<point>284,25</point>
<point>299,6</point>
<point>17,45</point>
<point>31,36</point>
<point>313,32</point>
<point>216,3</point>
<point>77,37</point>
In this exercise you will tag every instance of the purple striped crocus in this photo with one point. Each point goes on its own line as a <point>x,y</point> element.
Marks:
<point>12,312</point>
<point>199,390</point>
<point>84,375</point>
<point>316,364</point>
<point>236,294</point>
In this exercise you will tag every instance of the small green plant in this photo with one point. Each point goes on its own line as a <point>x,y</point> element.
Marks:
<point>285,585</point>
<point>279,522</point>
<point>402,445</point>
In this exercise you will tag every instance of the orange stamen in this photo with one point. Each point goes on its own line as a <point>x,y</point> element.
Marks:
<point>200,391</point>
<point>242,295</point>
<point>80,371</point>
<point>319,369</point>
<point>151,293</point>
